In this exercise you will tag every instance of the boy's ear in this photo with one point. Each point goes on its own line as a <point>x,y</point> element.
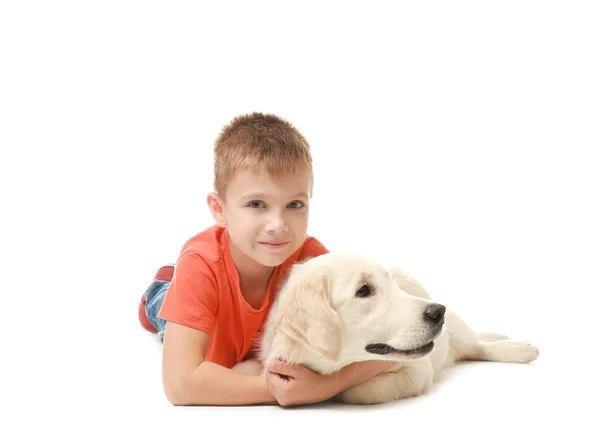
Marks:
<point>215,206</point>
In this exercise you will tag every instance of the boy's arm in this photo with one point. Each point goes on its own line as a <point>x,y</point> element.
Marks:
<point>294,385</point>
<point>355,374</point>
<point>190,380</point>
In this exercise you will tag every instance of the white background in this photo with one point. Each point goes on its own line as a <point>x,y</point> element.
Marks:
<point>458,139</point>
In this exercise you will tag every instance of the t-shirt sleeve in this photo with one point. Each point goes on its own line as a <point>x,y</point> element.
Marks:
<point>192,296</point>
<point>312,248</point>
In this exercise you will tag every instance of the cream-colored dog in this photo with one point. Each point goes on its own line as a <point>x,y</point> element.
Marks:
<point>337,309</point>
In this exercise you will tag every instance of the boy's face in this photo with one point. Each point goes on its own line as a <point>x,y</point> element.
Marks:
<point>266,218</point>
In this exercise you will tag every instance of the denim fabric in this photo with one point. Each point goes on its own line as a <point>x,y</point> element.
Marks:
<point>155,294</point>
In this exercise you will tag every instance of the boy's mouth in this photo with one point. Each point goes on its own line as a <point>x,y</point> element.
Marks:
<point>274,244</point>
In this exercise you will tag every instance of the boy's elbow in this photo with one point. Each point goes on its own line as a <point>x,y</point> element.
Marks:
<point>174,394</point>
<point>183,389</point>
<point>176,391</point>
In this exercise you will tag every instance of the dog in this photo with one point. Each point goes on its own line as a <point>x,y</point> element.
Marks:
<point>340,308</point>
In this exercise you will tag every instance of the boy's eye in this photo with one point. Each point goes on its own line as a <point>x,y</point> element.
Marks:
<point>256,204</point>
<point>295,204</point>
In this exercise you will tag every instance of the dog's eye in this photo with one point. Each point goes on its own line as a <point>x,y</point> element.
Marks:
<point>364,291</point>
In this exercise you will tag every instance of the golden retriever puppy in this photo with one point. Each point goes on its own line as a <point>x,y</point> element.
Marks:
<point>336,309</point>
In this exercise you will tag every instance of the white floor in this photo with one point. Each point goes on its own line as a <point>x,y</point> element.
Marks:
<point>119,398</point>
<point>99,382</point>
<point>458,139</point>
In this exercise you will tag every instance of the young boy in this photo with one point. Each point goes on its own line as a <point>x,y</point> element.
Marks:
<point>209,308</point>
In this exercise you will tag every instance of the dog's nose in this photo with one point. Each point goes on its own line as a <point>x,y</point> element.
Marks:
<point>434,314</point>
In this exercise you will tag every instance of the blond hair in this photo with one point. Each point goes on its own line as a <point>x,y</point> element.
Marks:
<point>257,142</point>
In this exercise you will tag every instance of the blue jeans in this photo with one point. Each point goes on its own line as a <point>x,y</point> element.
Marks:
<point>155,294</point>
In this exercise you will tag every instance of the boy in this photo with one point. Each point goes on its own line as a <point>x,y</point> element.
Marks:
<point>209,308</point>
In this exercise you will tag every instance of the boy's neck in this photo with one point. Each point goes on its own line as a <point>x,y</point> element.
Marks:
<point>254,277</point>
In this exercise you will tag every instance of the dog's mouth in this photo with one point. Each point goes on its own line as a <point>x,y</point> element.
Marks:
<point>385,349</point>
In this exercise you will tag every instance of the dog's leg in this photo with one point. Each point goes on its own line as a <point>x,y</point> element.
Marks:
<point>507,350</point>
<point>466,345</point>
<point>404,381</point>
<point>464,342</point>
<point>491,337</point>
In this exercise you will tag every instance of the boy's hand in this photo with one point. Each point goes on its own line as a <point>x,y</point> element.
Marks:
<point>293,385</point>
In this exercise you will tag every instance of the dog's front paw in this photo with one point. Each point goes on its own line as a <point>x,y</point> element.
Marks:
<point>526,352</point>
<point>516,351</point>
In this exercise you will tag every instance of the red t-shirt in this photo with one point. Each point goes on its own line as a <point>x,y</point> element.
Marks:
<point>205,294</point>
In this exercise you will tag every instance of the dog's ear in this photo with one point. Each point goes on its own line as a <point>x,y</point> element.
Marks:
<point>306,316</point>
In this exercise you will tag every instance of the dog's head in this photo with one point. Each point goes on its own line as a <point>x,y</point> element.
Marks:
<point>349,307</point>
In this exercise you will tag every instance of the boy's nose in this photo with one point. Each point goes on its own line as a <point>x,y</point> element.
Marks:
<point>277,229</point>
<point>277,226</point>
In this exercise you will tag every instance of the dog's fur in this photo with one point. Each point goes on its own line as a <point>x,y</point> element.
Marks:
<point>332,307</point>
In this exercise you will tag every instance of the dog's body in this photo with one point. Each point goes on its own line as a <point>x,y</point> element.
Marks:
<point>337,309</point>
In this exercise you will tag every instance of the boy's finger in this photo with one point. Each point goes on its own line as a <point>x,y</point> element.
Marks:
<point>280,367</point>
<point>278,381</point>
